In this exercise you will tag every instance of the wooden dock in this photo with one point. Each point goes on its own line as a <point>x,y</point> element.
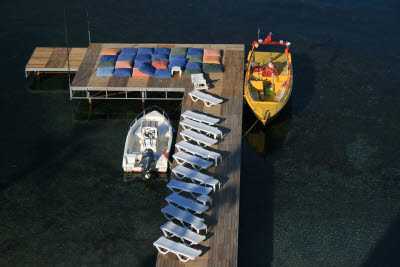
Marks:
<point>55,60</point>
<point>221,248</point>
<point>87,86</point>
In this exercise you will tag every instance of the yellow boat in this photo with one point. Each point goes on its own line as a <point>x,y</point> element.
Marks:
<point>268,80</point>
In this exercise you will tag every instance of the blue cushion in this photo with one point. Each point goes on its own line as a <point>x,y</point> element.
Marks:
<point>123,72</point>
<point>161,50</point>
<point>159,57</point>
<point>195,51</point>
<point>126,57</point>
<point>147,68</point>
<point>137,64</point>
<point>145,51</point>
<point>108,58</point>
<point>143,58</point>
<point>104,72</point>
<point>193,65</point>
<point>177,62</point>
<point>129,51</point>
<point>176,56</point>
<point>162,73</point>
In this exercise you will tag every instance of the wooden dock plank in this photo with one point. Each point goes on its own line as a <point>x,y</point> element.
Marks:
<point>54,59</point>
<point>87,67</point>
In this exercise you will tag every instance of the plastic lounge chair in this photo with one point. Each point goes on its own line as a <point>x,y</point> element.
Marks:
<point>188,114</point>
<point>183,172</point>
<point>208,99</point>
<point>183,252</point>
<point>171,212</point>
<point>201,127</point>
<point>200,139</point>
<point>186,235</point>
<point>196,76</point>
<point>194,161</point>
<point>199,151</point>
<point>200,84</point>
<point>192,188</point>
<point>186,203</point>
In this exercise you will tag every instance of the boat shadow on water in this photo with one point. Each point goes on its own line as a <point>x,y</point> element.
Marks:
<point>259,154</point>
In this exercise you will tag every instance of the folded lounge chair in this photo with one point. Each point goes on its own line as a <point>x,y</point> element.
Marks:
<point>188,114</point>
<point>201,127</point>
<point>196,162</point>
<point>199,151</point>
<point>186,235</point>
<point>171,212</point>
<point>186,203</point>
<point>183,172</point>
<point>183,252</point>
<point>200,139</point>
<point>208,99</point>
<point>192,188</point>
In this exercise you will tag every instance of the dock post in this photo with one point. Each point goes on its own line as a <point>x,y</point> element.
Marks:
<point>90,101</point>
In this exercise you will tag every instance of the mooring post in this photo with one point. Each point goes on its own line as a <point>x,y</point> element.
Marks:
<point>90,101</point>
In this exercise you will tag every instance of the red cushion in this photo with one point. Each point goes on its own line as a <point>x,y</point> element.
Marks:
<point>212,53</point>
<point>136,73</point>
<point>110,51</point>
<point>160,64</point>
<point>123,64</point>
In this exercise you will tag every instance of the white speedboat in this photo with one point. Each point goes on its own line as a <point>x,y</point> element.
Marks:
<point>148,142</point>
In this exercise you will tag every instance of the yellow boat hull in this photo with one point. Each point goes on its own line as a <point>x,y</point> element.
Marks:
<point>266,107</point>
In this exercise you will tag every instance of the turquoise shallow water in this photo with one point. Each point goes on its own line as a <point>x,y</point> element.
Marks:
<point>319,184</point>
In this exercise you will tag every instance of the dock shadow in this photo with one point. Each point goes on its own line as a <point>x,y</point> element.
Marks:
<point>210,81</point>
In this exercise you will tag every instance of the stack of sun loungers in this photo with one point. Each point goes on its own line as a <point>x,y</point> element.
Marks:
<point>191,190</point>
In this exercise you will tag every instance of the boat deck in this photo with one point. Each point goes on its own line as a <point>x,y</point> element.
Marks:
<point>221,249</point>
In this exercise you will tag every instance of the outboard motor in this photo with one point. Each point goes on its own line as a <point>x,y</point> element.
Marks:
<point>147,159</point>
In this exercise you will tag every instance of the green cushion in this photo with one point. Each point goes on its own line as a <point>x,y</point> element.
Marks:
<point>178,51</point>
<point>189,72</point>
<point>106,64</point>
<point>195,58</point>
<point>213,68</point>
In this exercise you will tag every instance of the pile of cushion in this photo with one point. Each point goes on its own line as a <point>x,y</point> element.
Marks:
<point>157,62</point>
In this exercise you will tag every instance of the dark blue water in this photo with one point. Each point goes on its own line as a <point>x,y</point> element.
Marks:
<point>319,184</point>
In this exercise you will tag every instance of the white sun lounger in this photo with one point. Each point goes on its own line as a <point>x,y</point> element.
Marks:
<point>183,252</point>
<point>208,99</point>
<point>192,188</point>
<point>183,172</point>
<point>200,139</point>
<point>196,76</point>
<point>186,203</point>
<point>194,161</point>
<point>186,235</point>
<point>201,127</point>
<point>199,151</point>
<point>184,216</point>
<point>188,114</point>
